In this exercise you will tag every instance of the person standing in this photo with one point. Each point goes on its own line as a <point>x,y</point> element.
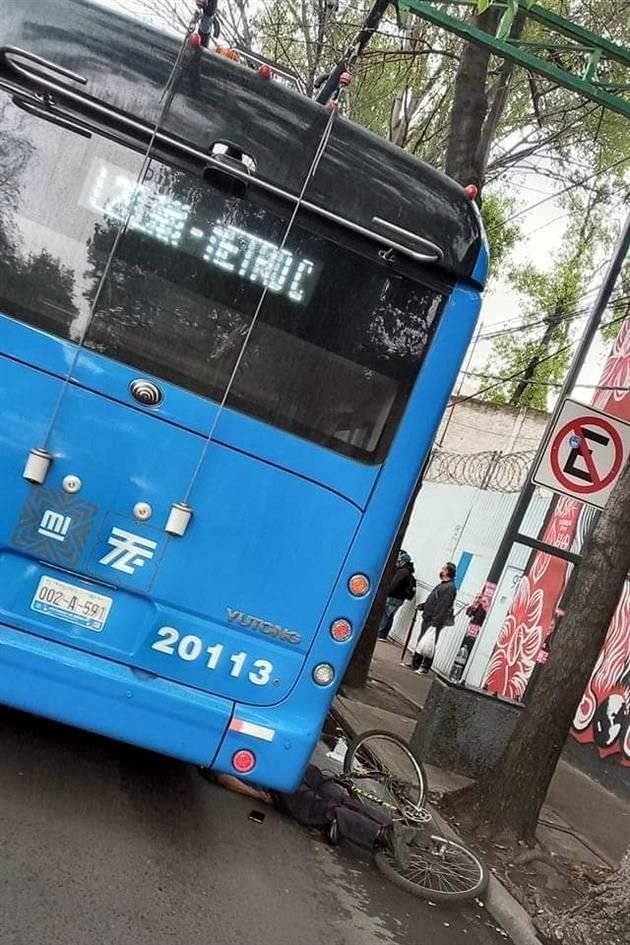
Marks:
<point>437,612</point>
<point>402,588</point>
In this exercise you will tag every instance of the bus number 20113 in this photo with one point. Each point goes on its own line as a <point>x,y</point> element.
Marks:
<point>191,648</point>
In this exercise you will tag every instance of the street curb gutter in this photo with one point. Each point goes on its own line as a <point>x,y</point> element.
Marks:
<point>500,903</point>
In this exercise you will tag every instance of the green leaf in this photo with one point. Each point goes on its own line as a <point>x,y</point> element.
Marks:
<point>505,23</point>
<point>482,6</point>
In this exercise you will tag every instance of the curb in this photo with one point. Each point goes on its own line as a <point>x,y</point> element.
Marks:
<point>500,903</point>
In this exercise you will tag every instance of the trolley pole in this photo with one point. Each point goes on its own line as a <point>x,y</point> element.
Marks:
<point>512,532</point>
<point>360,41</point>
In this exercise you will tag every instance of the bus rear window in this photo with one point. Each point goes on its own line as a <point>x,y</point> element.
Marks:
<point>336,344</point>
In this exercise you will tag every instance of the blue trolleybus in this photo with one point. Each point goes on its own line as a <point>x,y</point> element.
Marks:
<point>230,321</point>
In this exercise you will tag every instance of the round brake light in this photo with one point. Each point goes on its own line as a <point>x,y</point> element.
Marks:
<point>359,585</point>
<point>341,630</point>
<point>243,761</point>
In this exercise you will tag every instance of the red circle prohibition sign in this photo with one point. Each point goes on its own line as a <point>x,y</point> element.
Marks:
<point>576,428</point>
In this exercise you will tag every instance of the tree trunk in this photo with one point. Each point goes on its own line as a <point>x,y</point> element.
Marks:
<point>499,98</point>
<point>358,669</point>
<point>528,373</point>
<point>356,675</point>
<point>512,795</point>
<point>470,107</point>
<point>602,918</point>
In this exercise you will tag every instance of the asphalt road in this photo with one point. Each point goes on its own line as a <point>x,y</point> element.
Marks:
<point>102,844</point>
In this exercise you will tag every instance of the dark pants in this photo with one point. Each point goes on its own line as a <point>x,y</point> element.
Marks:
<point>320,800</point>
<point>392,606</point>
<point>425,662</point>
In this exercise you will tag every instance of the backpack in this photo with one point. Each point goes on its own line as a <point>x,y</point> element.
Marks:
<point>409,588</point>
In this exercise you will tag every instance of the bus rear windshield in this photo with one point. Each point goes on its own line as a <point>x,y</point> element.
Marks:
<point>182,280</point>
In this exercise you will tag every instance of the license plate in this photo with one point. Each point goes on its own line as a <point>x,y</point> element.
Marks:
<point>71,603</point>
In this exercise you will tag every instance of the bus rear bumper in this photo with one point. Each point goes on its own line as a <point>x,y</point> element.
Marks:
<point>93,693</point>
<point>281,739</point>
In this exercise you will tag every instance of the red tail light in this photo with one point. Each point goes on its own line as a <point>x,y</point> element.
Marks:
<point>359,585</point>
<point>243,761</point>
<point>341,630</point>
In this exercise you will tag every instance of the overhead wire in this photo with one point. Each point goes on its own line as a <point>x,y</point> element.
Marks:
<point>556,194</point>
<point>547,357</point>
<point>548,383</point>
<point>572,315</point>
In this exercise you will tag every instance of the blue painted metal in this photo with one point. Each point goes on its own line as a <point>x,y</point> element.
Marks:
<point>189,411</point>
<point>231,619</point>
<point>480,272</point>
<point>298,718</point>
<point>240,555</point>
<point>50,679</point>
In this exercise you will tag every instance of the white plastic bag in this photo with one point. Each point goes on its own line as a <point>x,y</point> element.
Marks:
<point>426,646</point>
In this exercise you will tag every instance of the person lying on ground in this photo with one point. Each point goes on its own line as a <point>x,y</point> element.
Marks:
<point>321,801</point>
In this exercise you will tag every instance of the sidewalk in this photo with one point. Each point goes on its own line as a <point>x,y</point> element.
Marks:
<point>580,820</point>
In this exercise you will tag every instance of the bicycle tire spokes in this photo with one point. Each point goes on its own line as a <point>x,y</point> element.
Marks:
<point>440,867</point>
<point>385,760</point>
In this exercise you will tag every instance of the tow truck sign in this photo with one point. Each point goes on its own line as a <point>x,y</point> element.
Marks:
<point>584,454</point>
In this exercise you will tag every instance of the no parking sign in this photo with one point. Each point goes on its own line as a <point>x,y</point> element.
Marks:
<point>584,454</point>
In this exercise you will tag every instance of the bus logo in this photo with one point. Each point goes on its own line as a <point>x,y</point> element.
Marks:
<point>54,525</point>
<point>128,552</point>
<point>263,626</point>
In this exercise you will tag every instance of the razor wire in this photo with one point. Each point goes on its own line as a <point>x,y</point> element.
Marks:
<point>491,470</point>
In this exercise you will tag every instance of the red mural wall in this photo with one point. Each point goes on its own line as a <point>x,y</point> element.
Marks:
<point>603,718</point>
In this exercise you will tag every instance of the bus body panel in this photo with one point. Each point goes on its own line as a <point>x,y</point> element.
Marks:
<point>296,721</point>
<point>206,643</point>
<point>264,544</point>
<point>89,692</point>
<point>184,409</point>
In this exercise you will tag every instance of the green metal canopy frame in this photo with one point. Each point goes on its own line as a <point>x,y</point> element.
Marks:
<point>591,55</point>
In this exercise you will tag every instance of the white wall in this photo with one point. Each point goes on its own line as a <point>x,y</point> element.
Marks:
<point>447,521</point>
<point>476,426</point>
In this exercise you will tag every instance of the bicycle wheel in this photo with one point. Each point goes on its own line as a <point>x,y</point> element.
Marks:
<point>441,870</point>
<point>381,763</point>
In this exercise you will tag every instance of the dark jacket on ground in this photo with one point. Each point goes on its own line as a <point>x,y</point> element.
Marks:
<point>438,604</point>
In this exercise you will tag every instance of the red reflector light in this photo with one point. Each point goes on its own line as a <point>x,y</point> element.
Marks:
<point>265,71</point>
<point>358,585</point>
<point>341,630</point>
<point>243,761</point>
<point>471,191</point>
<point>194,40</point>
